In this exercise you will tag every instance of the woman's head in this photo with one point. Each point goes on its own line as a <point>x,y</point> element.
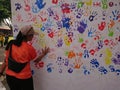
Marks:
<point>26,33</point>
<point>27,30</point>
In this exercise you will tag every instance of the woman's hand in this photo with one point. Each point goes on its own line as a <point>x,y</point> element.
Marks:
<point>43,53</point>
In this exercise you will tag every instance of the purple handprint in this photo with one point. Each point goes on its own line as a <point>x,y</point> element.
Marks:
<point>79,13</point>
<point>60,42</point>
<point>82,26</point>
<point>116,59</point>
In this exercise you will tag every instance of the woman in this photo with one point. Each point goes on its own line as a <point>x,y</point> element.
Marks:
<point>6,39</point>
<point>21,52</point>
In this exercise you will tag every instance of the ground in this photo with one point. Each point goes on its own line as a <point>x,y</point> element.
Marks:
<point>2,49</point>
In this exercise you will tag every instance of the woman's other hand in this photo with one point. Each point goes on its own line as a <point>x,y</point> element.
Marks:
<point>43,53</point>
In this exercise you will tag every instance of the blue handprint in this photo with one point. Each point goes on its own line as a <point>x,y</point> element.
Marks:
<point>50,67</point>
<point>115,15</point>
<point>50,11</point>
<point>91,32</point>
<point>100,44</point>
<point>102,70</point>
<point>95,63</point>
<point>86,54</point>
<point>70,70</point>
<point>40,4</point>
<point>66,23</point>
<point>18,6</point>
<point>117,71</point>
<point>112,68</point>
<point>86,72</point>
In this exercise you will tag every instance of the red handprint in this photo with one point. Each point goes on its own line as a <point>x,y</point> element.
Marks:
<point>101,26</point>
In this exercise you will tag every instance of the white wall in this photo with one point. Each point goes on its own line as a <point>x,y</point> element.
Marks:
<point>84,46</point>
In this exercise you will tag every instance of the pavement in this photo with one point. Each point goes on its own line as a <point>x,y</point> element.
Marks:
<point>2,49</point>
<point>3,80</point>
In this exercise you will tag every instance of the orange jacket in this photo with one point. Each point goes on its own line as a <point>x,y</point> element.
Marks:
<point>24,53</point>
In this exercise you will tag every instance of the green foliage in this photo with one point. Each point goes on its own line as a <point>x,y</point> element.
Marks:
<point>5,13</point>
<point>5,9</point>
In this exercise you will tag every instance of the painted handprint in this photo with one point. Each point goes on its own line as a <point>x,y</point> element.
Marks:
<point>39,65</point>
<point>59,24</point>
<point>103,70</point>
<point>66,63</point>
<point>27,5</point>
<point>94,63</point>
<point>50,12</point>
<point>112,68</point>
<point>100,44</point>
<point>92,16</point>
<point>40,4</point>
<point>104,4</point>
<point>91,32</point>
<point>115,14</point>
<point>85,70</point>
<point>67,41</point>
<point>116,59</point>
<point>65,8</point>
<point>110,32</point>
<point>71,68</point>
<point>16,29</point>
<point>60,63</point>
<point>37,6</point>
<point>92,52</point>
<point>108,56</point>
<point>77,63</point>
<point>88,2</point>
<point>54,1</point>
<point>66,22</point>
<point>50,67</point>
<point>73,5</point>
<point>79,13</point>
<point>82,26</point>
<point>101,26</point>
<point>117,71</point>
<point>80,4</point>
<point>59,42</point>
<point>86,54</point>
<point>18,6</point>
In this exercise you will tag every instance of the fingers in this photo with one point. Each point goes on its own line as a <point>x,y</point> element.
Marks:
<point>45,50</point>
<point>43,53</point>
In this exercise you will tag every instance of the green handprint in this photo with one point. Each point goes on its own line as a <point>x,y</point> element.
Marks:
<point>104,4</point>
